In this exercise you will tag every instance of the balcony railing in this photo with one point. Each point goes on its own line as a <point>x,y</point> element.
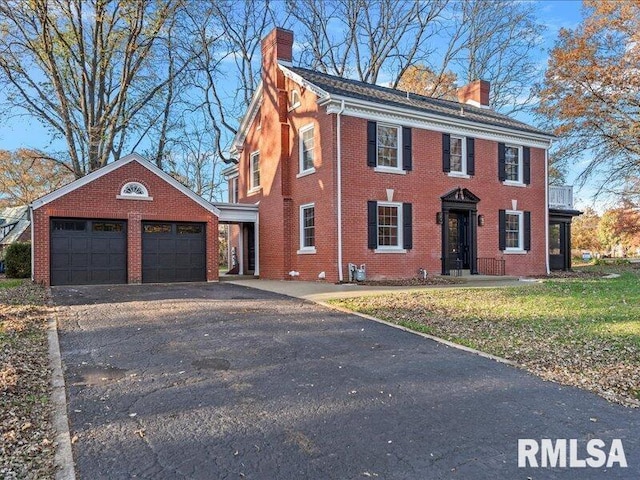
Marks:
<point>561,197</point>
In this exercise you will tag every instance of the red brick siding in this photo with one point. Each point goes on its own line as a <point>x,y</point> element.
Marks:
<point>98,200</point>
<point>423,187</point>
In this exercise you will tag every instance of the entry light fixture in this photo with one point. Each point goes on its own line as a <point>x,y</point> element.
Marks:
<point>481,220</point>
<point>439,218</point>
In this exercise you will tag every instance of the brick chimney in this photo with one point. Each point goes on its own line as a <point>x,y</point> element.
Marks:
<point>475,93</point>
<point>276,46</point>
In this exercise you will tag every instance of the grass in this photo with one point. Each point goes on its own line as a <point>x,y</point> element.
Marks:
<point>10,283</point>
<point>577,331</point>
<point>26,434</point>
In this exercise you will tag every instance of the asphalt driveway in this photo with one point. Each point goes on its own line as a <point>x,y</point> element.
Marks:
<point>220,381</point>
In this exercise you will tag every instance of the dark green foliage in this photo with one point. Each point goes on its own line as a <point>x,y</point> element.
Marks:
<point>17,260</point>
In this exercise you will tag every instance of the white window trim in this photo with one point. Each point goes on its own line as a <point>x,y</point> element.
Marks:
<point>391,248</point>
<point>384,168</point>
<point>294,103</point>
<point>254,188</point>
<point>234,192</point>
<point>130,196</point>
<point>520,181</point>
<point>520,249</point>
<point>301,131</point>
<point>306,250</point>
<point>463,144</point>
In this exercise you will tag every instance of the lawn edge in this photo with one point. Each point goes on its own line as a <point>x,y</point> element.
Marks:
<point>63,458</point>
<point>421,334</point>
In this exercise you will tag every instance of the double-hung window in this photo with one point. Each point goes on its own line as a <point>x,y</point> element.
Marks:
<point>512,164</point>
<point>389,226</point>
<point>254,174</point>
<point>306,149</point>
<point>515,231</point>
<point>457,155</point>
<point>388,146</point>
<point>307,228</point>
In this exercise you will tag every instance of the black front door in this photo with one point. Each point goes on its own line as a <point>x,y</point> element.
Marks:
<point>458,254</point>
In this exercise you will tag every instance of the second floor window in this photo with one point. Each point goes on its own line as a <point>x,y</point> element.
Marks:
<point>307,146</point>
<point>255,170</point>
<point>512,163</point>
<point>457,157</point>
<point>388,146</point>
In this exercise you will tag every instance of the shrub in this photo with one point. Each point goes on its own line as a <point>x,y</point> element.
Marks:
<point>17,260</point>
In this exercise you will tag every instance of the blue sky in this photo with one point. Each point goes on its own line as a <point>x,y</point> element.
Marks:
<point>20,132</point>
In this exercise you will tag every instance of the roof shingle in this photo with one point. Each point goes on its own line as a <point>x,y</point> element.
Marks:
<point>388,96</point>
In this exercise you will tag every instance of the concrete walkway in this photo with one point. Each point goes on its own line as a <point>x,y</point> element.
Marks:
<point>322,291</point>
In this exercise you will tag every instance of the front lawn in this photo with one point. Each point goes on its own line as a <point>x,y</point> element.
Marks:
<point>26,434</point>
<point>576,331</point>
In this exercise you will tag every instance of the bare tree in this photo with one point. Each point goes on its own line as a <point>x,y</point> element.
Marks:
<point>194,162</point>
<point>496,40</point>
<point>364,38</point>
<point>85,69</point>
<point>225,38</point>
<point>493,40</point>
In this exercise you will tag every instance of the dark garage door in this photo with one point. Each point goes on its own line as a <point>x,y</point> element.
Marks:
<point>88,252</point>
<point>173,252</point>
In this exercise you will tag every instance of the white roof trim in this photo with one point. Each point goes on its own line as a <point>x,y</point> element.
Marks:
<point>438,123</point>
<point>302,82</point>
<point>132,157</point>
<point>247,120</point>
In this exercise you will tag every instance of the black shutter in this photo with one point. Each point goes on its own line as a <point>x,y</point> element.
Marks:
<point>527,231</point>
<point>372,144</point>
<point>407,163</point>
<point>446,152</point>
<point>526,165</point>
<point>407,227</point>
<point>502,174</point>
<point>502,230</point>
<point>471,157</point>
<point>372,224</point>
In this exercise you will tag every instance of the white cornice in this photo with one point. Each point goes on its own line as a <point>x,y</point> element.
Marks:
<point>302,82</point>
<point>439,123</point>
<point>247,120</point>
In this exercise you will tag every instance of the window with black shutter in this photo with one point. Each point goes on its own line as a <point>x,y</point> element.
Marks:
<point>446,152</point>
<point>471,157</point>
<point>407,161</point>
<point>407,227</point>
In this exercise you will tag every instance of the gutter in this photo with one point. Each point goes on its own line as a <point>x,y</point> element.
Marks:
<point>32,242</point>
<point>339,188</point>
<point>546,209</point>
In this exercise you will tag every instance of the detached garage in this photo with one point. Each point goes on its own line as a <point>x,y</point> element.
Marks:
<point>128,222</point>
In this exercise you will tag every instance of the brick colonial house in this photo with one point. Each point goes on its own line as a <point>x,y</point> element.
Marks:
<point>347,172</point>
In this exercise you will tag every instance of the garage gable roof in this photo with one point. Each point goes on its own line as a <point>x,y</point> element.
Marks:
<point>132,157</point>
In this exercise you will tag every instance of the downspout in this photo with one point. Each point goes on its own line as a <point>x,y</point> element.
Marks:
<point>32,243</point>
<point>546,207</point>
<point>339,189</point>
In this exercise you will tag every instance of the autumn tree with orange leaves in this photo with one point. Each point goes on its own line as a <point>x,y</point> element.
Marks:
<point>26,175</point>
<point>591,93</point>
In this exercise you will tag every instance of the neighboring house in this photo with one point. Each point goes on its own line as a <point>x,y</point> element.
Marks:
<point>347,172</point>
<point>128,222</point>
<point>14,226</point>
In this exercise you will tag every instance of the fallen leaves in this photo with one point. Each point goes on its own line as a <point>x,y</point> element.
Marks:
<point>26,446</point>
<point>583,332</point>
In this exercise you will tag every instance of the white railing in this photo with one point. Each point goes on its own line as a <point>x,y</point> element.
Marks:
<point>561,197</point>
